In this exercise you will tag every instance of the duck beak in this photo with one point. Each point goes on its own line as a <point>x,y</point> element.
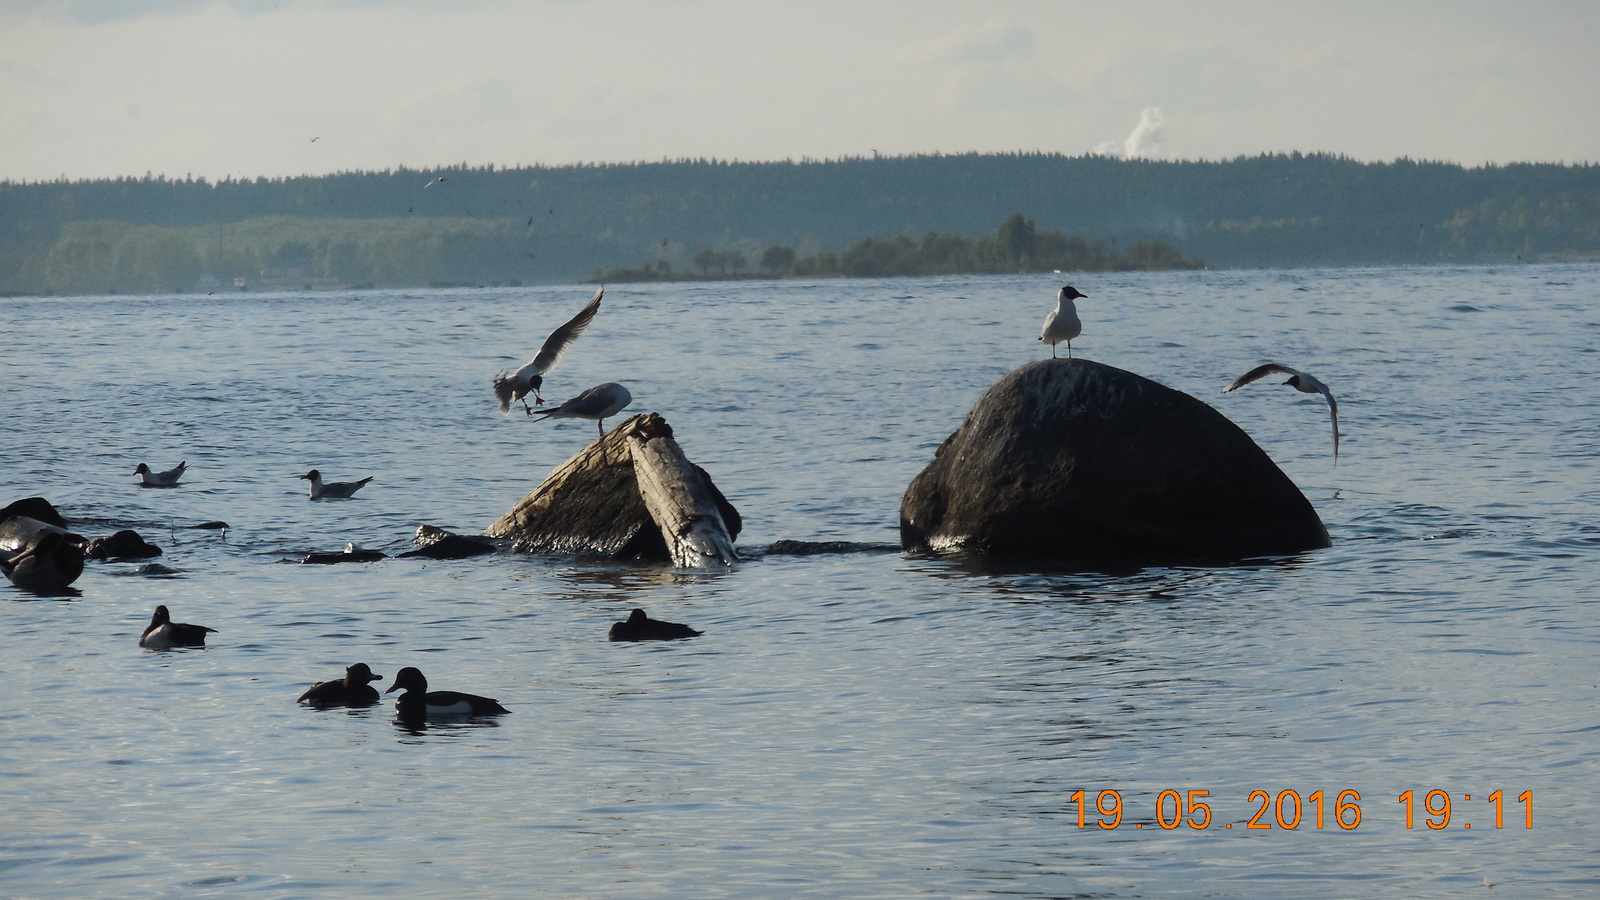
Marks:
<point>391,689</point>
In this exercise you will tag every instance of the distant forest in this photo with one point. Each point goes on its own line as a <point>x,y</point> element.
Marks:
<point>901,215</point>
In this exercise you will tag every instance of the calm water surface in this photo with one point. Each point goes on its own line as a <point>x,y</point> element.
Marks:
<point>863,725</point>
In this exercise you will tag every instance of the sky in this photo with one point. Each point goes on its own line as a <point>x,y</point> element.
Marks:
<point>248,88</point>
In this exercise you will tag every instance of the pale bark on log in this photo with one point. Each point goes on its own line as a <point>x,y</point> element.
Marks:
<point>676,495</point>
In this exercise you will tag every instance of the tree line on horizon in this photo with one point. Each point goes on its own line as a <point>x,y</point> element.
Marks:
<point>488,225</point>
<point>1016,247</point>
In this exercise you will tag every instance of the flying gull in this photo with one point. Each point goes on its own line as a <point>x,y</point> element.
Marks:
<point>511,388</point>
<point>1062,324</point>
<point>1301,382</point>
<point>600,402</point>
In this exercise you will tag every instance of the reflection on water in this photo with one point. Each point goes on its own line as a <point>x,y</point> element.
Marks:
<point>850,723</point>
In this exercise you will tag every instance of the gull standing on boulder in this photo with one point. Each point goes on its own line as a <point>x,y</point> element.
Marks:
<point>169,478</point>
<point>599,403</point>
<point>1062,323</point>
<point>338,489</point>
<point>529,378</point>
<point>1301,382</point>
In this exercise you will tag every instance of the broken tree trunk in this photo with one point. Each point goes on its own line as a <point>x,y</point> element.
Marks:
<point>630,495</point>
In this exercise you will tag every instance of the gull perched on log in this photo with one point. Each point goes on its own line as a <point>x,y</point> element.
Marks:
<point>600,402</point>
<point>1062,324</point>
<point>517,385</point>
<point>1301,382</point>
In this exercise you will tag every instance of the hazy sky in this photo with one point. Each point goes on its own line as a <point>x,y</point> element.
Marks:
<point>92,88</point>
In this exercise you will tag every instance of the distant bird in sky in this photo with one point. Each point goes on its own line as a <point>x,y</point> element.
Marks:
<point>164,634</point>
<point>509,388</point>
<point>168,478</point>
<point>1062,323</point>
<point>433,182</point>
<point>335,489</point>
<point>317,138</point>
<point>1301,382</point>
<point>600,402</point>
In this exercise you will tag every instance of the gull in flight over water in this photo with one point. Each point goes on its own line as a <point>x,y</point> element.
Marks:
<point>1301,382</point>
<point>340,489</point>
<point>600,402</point>
<point>168,478</point>
<point>509,388</point>
<point>1062,324</point>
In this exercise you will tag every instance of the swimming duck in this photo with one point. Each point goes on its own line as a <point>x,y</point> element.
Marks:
<point>418,704</point>
<point>354,689</point>
<point>641,627</point>
<point>165,634</point>
<point>338,489</point>
<point>169,478</point>
<point>46,566</point>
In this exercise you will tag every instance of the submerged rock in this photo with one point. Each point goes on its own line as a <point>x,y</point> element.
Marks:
<point>124,544</point>
<point>437,543</point>
<point>1076,463</point>
<point>37,552</point>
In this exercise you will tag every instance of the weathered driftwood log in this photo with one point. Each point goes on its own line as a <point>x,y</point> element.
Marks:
<point>630,495</point>
<point>1075,463</point>
<point>37,552</point>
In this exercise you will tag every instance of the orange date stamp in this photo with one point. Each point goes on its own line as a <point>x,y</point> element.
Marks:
<point>1288,810</point>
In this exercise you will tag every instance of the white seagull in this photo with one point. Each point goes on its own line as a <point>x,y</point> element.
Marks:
<point>339,489</point>
<point>1301,382</point>
<point>168,478</point>
<point>1062,324</point>
<point>600,402</point>
<point>529,378</point>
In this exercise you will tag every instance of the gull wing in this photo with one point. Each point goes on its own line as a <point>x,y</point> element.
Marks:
<point>1258,373</point>
<point>559,340</point>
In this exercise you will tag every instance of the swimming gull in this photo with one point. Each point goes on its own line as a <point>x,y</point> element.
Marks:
<point>160,479</point>
<point>338,489</point>
<point>1301,382</point>
<point>531,376</point>
<point>1062,323</point>
<point>599,403</point>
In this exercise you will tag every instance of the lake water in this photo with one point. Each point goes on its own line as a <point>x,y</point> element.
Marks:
<point>861,725</point>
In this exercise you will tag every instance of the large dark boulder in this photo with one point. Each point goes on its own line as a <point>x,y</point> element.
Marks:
<point>1075,463</point>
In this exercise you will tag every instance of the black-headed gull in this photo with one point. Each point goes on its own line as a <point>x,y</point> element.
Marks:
<point>1062,324</point>
<point>164,634</point>
<point>513,387</point>
<point>1301,382</point>
<point>337,489</point>
<point>600,402</point>
<point>160,479</point>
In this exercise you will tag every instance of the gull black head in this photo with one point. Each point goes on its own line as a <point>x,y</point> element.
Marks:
<point>1071,293</point>
<point>142,470</point>
<point>311,475</point>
